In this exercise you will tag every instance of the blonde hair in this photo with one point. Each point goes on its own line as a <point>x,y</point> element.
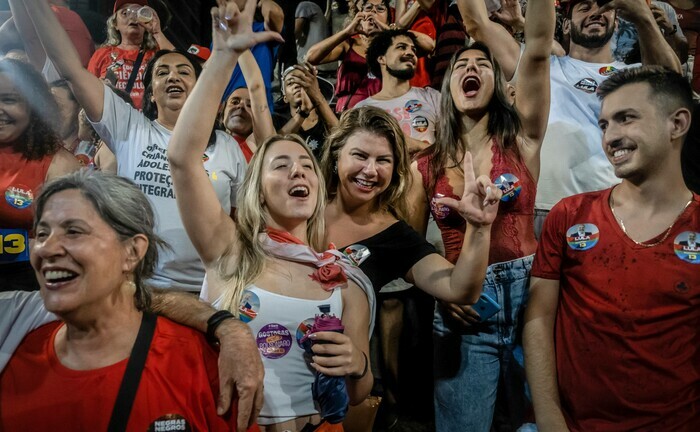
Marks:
<point>251,221</point>
<point>114,38</point>
<point>378,122</point>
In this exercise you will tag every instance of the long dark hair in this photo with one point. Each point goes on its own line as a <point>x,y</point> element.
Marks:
<point>503,124</point>
<point>40,139</point>
<point>150,109</point>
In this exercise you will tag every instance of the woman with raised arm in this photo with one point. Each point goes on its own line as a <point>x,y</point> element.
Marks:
<point>474,353</point>
<point>265,264</point>
<point>31,153</point>
<point>139,140</point>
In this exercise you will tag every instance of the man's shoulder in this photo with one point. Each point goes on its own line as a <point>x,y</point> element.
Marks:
<point>582,201</point>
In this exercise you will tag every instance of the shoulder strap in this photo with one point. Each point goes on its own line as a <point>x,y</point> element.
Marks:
<point>132,375</point>
<point>135,71</point>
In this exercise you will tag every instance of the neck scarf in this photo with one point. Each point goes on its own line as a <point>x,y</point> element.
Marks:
<point>333,267</point>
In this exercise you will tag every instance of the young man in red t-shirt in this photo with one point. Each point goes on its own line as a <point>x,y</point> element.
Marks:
<point>612,327</point>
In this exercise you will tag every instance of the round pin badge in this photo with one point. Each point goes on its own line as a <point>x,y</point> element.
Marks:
<point>19,196</point>
<point>438,210</point>
<point>274,341</point>
<point>510,185</point>
<point>687,246</point>
<point>303,328</point>
<point>170,422</point>
<point>249,306</point>
<point>607,70</point>
<point>583,236</point>
<point>412,106</point>
<point>357,253</point>
<point>420,124</point>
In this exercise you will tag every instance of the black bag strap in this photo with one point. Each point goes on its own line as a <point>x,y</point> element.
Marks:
<point>132,375</point>
<point>135,71</point>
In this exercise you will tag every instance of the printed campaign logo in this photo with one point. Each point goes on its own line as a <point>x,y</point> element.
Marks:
<point>510,185</point>
<point>607,70</point>
<point>170,423</point>
<point>413,106</point>
<point>303,328</point>
<point>587,84</point>
<point>19,196</point>
<point>249,306</point>
<point>438,210</point>
<point>420,124</point>
<point>687,246</point>
<point>14,245</point>
<point>274,341</point>
<point>357,253</point>
<point>583,236</point>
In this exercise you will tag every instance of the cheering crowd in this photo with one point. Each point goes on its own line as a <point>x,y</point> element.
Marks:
<point>247,236</point>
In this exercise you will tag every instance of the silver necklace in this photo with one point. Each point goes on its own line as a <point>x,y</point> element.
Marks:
<point>666,233</point>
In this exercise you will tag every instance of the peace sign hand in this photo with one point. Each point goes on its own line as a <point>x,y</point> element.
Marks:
<point>232,29</point>
<point>479,203</point>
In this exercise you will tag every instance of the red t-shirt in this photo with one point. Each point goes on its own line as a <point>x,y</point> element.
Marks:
<point>122,63</point>
<point>424,25</point>
<point>77,32</point>
<point>179,385</point>
<point>20,182</point>
<point>628,322</point>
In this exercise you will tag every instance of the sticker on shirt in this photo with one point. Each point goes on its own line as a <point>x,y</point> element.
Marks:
<point>274,341</point>
<point>249,306</point>
<point>420,124</point>
<point>19,196</point>
<point>303,328</point>
<point>312,143</point>
<point>582,237</point>
<point>687,246</point>
<point>587,84</point>
<point>607,70</point>
<point>357,253</point>
<point>413,106</point>
<point>170,422</point>
<point>510,185</point>
<point>14,245</point>
<point>438,210</point>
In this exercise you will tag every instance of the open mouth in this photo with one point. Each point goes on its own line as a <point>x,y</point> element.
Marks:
<point>365,185</point>
<point>299,191</point>
<point>5,122</point>
<point>174,90</point>
<point>54,277</point>
<point>621,154</point>
<point>409,59</point>
<point>471,86</point>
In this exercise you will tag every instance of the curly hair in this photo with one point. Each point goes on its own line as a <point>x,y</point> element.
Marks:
<point>40,139</point>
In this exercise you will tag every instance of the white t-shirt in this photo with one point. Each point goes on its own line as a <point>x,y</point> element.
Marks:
<point>572,157</point>
<point>416,111</point>
<point>140,146</point>
<point>20,313</point>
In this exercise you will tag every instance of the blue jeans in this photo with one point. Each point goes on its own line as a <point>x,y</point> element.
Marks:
<point>474,365</point>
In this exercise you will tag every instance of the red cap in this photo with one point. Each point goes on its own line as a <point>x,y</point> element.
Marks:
<point>120,3</point>
<point>199,51</point>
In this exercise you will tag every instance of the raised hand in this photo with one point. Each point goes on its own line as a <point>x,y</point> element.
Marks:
<point>631,10</point>
<point>479,203</point>
<point>153,26</point>
<point>355,26</point>
<point>232,29</point>
<point>305,77</point>
<point>510,14</point>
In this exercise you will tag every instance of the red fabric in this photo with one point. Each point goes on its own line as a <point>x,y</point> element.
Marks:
<point>424,25</point>
<point>245,148</point>
<point>627,325</point>
<point>77,32</point>
<point>282,236</point>
<point>512,233</point>
<point>123,61</point>
<point>37,393</point>
<point>354,83</point>
<point>24,176</point>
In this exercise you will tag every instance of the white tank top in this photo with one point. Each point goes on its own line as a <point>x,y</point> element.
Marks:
<point>278,322</point>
